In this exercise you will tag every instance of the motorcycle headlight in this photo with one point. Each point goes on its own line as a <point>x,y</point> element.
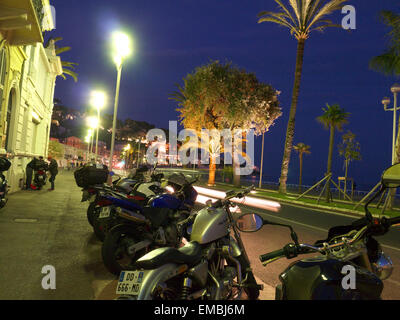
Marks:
<point>383,267</point>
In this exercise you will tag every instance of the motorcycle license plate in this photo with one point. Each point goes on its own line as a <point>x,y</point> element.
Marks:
<point>130,282</point>
<point>92,198</point>
<point>105,212</point>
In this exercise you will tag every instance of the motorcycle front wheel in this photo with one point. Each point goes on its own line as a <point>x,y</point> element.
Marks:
<point>114,249</point>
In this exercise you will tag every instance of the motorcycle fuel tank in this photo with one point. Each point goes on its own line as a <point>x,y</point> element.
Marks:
<point>166,201</point>
<point>320,278</point>
<point>210,224</point>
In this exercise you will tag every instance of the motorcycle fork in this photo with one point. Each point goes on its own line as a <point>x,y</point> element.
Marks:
<point>365,261</point>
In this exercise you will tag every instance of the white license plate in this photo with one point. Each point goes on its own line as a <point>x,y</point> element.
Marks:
<point>105,212</point>
<point>130,282</point>
<point>92,198</point>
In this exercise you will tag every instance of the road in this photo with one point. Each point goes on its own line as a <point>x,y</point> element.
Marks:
<point>39,228</point>
<point>311,225</point>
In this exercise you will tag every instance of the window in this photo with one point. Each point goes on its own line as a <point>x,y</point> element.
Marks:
<point>3,66</point>
<point>8,119</point>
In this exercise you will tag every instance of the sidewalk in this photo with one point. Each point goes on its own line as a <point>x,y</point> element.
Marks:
<point>39,228</point>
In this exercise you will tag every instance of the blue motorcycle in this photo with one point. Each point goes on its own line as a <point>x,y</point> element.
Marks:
<point>133,229</point>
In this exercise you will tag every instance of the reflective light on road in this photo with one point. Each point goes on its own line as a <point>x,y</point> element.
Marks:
<point>248,201</point>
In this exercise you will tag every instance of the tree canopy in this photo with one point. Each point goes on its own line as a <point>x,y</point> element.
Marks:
<point>222,96</point>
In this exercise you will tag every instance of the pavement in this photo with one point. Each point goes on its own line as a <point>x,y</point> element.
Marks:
<point>50,228</point>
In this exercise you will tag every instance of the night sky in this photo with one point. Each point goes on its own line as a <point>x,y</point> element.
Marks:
<point>173,37</point>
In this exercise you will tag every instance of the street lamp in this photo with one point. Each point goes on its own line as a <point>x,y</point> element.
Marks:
<point>98,101</point>
<point>88,140</point>
<point>386,102</point>
<point>122,48</point>
<point>93,124</point>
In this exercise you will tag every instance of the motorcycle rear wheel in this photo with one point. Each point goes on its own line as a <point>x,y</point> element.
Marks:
<point>92,214</point>
<point>115,257</point>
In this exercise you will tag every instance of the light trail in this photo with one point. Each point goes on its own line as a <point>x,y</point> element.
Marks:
<point>248,201</point>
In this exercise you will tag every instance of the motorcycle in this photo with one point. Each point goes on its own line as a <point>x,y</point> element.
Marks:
<point>40,178</point>
<point>5,164</point>
<point>349,250</point>
<point>212,266</point>
<point>135,232</point>
<point>130,198</point>
<point>127,185</point>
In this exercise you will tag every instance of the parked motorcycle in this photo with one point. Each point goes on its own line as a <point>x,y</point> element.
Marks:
<point>40,176</point>
<point>91,192</point>
<point>347,248</point>
<point>5,165</point>
<point>212,266</point>
<point>131,199</point>
<point>135,231</point>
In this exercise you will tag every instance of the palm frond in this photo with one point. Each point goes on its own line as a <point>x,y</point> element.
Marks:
<point>387,63</point>
<point>327,9</point>
<point>71,73</point>
<point>62,50</point>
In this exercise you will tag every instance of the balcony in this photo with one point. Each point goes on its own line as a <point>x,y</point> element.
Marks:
<point>21,20</point>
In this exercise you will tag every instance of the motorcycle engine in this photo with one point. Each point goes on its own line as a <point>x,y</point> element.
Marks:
<point>171,234</point>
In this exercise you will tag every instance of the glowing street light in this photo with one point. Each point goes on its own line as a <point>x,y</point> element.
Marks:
<point>121,49</point>
<point>98,100</point>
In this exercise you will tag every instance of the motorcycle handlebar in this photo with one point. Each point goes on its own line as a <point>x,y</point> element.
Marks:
<point>272,255</point>
<point>393,221</point>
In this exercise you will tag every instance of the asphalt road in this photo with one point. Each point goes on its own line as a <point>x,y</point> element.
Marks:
<point>39,228</point>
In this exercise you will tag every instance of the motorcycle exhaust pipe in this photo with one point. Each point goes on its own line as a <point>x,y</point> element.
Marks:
<point>132,216</point>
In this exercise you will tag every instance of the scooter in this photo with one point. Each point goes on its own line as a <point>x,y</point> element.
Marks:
<point>350,264</point>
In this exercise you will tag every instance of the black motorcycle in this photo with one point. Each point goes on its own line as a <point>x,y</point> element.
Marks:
<point>351,263</point>
<point>5,164</point>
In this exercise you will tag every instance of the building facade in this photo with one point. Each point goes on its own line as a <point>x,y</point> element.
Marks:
<point>28,72</point>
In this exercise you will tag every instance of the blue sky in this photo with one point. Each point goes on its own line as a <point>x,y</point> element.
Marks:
<point>173,37</point>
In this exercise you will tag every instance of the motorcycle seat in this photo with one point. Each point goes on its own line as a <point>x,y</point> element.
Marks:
<point>190,254</point>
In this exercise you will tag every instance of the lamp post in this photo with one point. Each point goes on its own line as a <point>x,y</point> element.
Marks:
<point>98,101</point>
<point>93,124</point>
<point>395,89</point>
<point>121,50</point>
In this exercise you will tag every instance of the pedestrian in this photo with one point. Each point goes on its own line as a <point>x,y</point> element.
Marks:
<point>30,167</point>
<point>53,169</point>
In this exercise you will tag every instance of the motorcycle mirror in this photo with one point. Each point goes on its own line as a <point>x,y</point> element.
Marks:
<point>249,222</point>
<point>391,177</point>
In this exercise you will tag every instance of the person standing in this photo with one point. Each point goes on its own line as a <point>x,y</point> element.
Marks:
<point>53,169</point>
<point>31,166</point>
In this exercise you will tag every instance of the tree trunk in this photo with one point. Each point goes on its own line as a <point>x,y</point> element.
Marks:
<point>236,177</point>
<point>292,116</point>
<point>211,173</point>
<point>301,171</point>
<point>345,176</point>
<point>329,167</point>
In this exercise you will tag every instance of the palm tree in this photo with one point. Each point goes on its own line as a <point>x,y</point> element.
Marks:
<point>304,17</point>
<point>67,66</point>
<point>350,150</point>
<point>302,149</point>
<point>334,118</point>
<point>388,63</point>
